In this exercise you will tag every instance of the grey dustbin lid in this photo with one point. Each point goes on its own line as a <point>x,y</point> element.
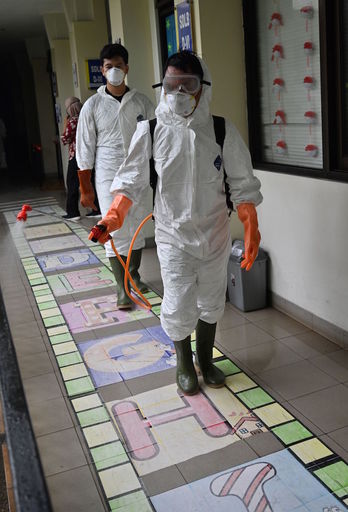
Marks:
<point>238,248</point>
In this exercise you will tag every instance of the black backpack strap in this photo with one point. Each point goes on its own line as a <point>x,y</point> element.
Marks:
<point>220,130</point>
<point>153,173</point>
<point>220,133</point>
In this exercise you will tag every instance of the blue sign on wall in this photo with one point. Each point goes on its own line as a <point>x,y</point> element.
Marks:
<point>94,76</point>
<point>183,12</point>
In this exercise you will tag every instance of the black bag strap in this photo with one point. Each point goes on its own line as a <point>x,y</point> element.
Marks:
<point>220,133</point>
<point>220,130</point>
<point>153,173</point>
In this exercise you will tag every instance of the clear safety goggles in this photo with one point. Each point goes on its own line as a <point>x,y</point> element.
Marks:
<point>172,84</point>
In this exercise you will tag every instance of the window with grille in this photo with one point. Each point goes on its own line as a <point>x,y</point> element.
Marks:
<point>284,54</point>
<point>297,84</point>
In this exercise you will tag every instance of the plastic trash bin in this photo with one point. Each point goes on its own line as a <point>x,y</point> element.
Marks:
<point>247,290</point>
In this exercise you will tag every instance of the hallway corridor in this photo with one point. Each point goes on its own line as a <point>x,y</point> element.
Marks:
<point>112,430</point>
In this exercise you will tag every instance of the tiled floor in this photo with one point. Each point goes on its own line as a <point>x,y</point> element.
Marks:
<point>112,429</point>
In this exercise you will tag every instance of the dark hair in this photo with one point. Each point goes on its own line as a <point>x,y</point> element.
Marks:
<point>113,50</point>
<point>185,61</point>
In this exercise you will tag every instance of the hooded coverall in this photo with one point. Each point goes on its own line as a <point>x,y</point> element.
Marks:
<point>192,229</point>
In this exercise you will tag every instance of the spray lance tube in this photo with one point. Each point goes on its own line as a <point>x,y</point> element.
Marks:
<point>96,233</point>
<point>94,236</point>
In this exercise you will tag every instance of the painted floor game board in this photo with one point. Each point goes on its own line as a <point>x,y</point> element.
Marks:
<point>140,435</point>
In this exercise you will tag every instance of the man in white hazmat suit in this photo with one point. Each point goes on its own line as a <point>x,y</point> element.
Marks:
<point>191,218</point>
<point>106,125</point>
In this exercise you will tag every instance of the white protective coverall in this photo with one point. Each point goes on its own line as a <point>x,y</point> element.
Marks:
<point>104,132</point>
<point>191,218</point>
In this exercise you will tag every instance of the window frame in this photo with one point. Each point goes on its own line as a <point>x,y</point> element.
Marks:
<point>164,9</point>
<point>334,168</point>
<point>334,22</point>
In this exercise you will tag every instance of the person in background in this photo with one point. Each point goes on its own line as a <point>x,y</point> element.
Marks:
<point>73,107</point>
<point>106,125</point>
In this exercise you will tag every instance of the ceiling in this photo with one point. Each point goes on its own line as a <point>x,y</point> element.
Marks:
<point>22,19</point>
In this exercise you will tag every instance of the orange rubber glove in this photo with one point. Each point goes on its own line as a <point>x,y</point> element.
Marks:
<point>247,214</point>
<point>113,219</point>
<point>86,189</point>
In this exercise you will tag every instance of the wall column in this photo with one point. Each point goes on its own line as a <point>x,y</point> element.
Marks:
<point>58,37</point>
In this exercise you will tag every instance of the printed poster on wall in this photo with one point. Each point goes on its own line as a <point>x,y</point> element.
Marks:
<point>94,75</point>
<point>183,13</point>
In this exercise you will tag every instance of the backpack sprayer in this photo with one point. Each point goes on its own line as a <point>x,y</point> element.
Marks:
<point>96,232</point>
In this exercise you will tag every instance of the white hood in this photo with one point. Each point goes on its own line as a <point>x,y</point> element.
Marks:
<point>200,114</point>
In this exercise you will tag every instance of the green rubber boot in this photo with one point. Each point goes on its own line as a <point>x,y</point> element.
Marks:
<point>205,337</point>
<point>134,265</point>
<point>186,377</point>
<point>123,301</point>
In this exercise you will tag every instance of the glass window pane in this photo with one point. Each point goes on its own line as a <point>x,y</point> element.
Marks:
<point>289,79</point>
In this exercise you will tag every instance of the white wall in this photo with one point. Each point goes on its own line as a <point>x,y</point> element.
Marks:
<point>222,47</point>
<point>304,227</point>
<point>130,21</point>
<point>137,39</point>
<point>87,38</point>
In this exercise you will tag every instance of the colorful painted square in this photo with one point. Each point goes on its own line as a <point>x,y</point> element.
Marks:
<point>111,454</point>
<point>162,427</point>
<point>273,414</point>
<point>292,432</point>
<point>49,230</point>
<point>255,397</point>
<point>311,450</point>
<point>227,367</point>
<point>98,312</point>
<point>132,502</point>
<point>335,476</point>
<point>128,355</point>
<point>80,280</point>
<point>55,244</point>
<point>119,480</point>
<point>79,386</point>
<point>40,219</point>
<point>276,483</point>
<point>66,260</point>
<point>92,416</point>
<point>100,434</point>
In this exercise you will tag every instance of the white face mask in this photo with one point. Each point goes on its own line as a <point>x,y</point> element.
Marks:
<point>181,103</point>
<point>115,76</point>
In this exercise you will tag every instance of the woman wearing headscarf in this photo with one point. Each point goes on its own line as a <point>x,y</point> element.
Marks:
<point>73,107</point>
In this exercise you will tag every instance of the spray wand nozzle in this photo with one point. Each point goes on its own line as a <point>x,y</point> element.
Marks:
<point>97,231</point>
<point>22,215</point>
